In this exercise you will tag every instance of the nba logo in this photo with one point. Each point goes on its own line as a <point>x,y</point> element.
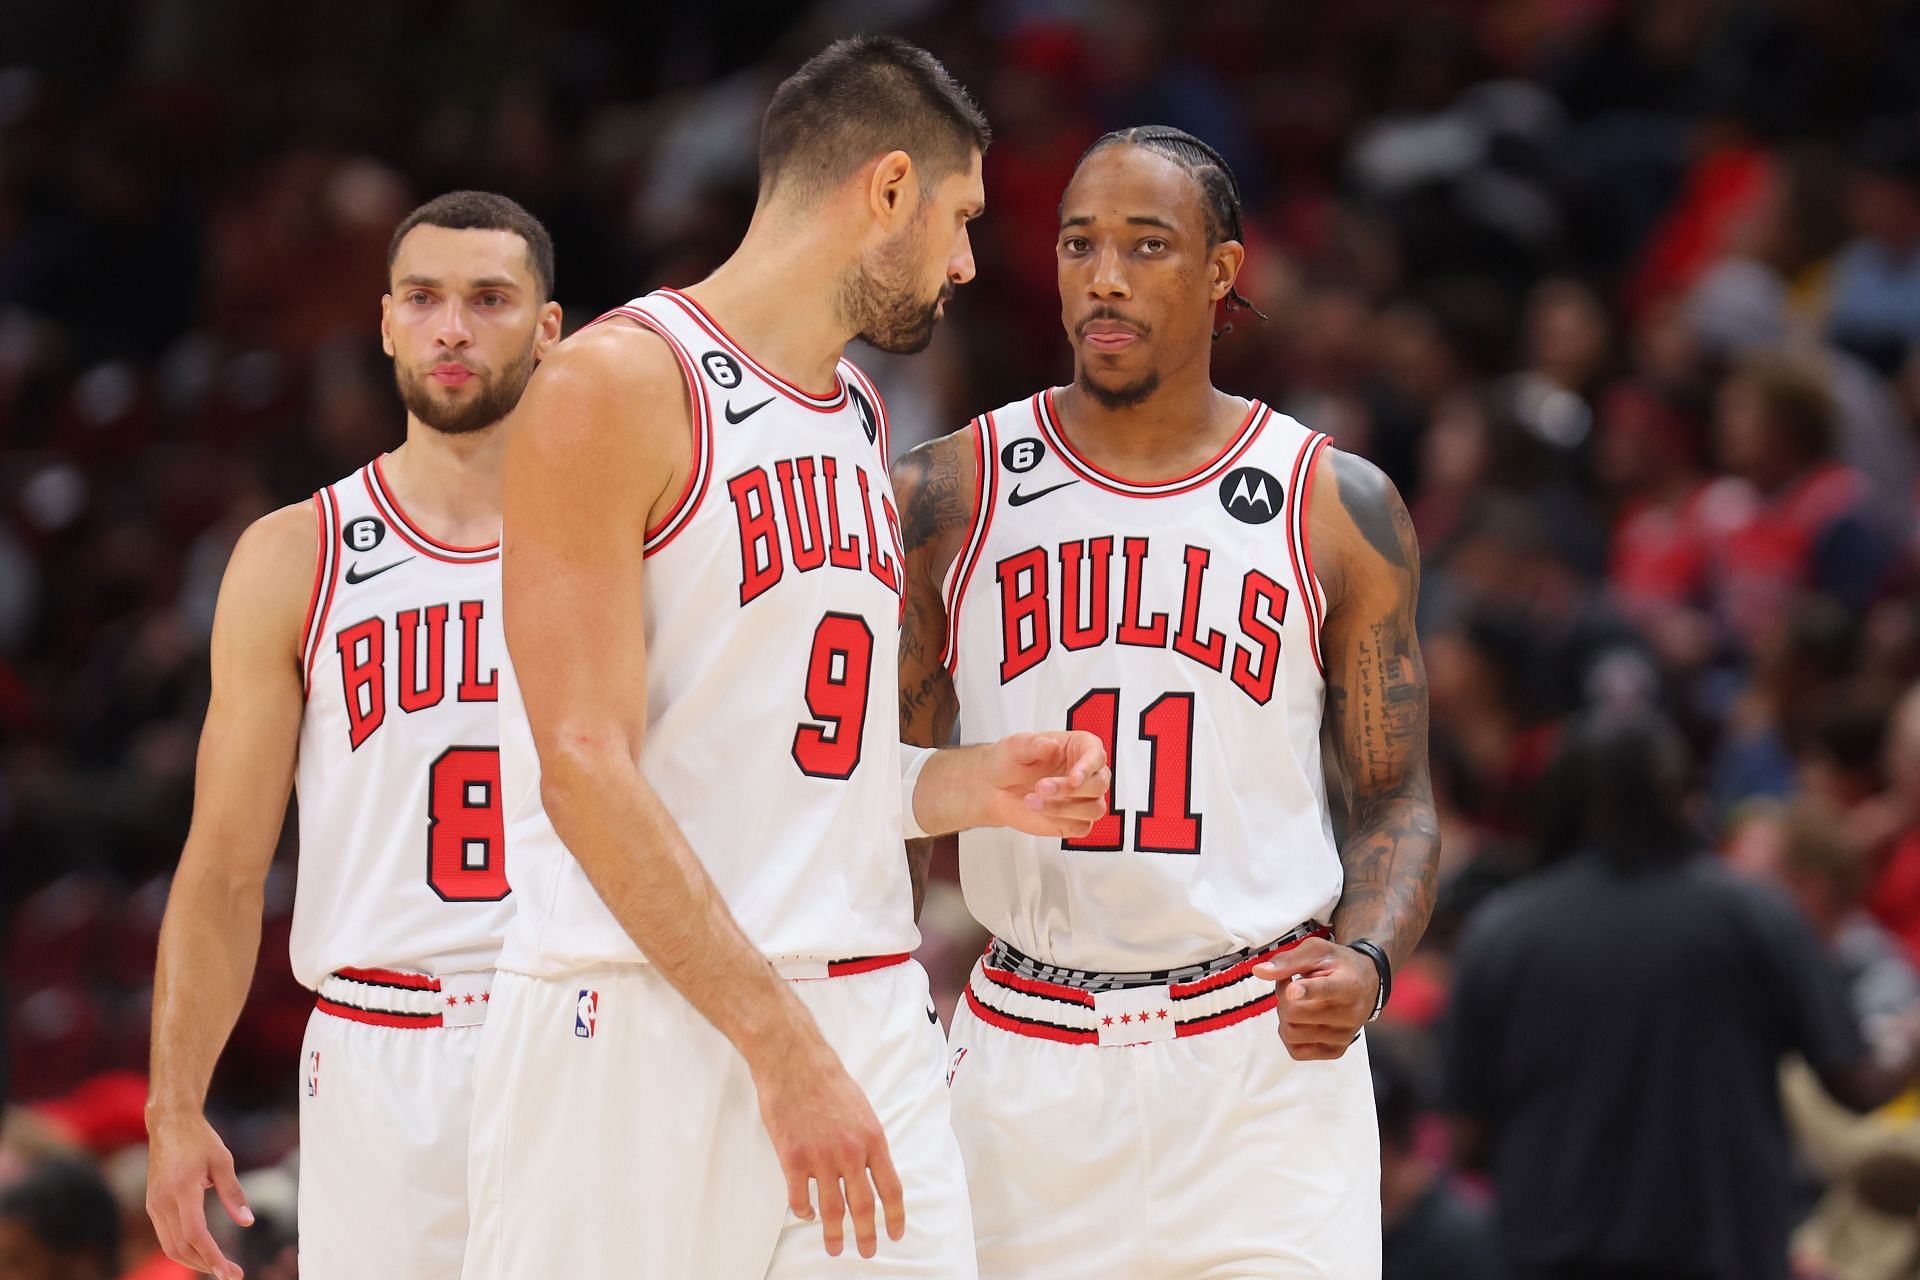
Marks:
<point>586,1013</point>
<point>313,1074</point>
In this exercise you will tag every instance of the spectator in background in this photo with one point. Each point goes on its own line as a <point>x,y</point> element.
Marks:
<point>1430,1230</point>
<point>1617,1027</point>
<point>60,1223</point>
<point>1875,289</point>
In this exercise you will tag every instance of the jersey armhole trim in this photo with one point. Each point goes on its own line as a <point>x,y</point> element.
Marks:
<point>1299,550</point>
<point>664,530</point>
<point>883,428</point>
<point>326,570</point>
<point>986,487</point>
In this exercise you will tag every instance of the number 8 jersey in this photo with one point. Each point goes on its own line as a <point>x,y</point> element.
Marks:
<point>772,594</point>
<point>402,863</point>
<point>1179,621</point>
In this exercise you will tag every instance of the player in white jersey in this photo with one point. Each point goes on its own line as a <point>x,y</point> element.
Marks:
<point>1196,579</point>
<point>356,651</point>
<point>707,1027</point>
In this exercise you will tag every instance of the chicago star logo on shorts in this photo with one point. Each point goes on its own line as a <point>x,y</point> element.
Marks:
<point>586,1014</point>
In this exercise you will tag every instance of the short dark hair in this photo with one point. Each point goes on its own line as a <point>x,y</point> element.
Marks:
<point>66,1205</point>
<point>1219,189</point>
<point>1797,403</point>
<point>483,211</point>
<point>862,97</point>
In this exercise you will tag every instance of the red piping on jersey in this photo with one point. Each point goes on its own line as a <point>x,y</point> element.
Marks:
<point>681,512</point>
<point>986,491</point>
<point>329,507</point>
<point>865,964</point>
<point>390,978</point>
<point>1306,525</point>
<point>412,534</point>
<point>1243,437</point>
<point>1036,987</point>
<point>1021,1027</point>
<point>1294,553</point>
<point>799,395</point>
<point>883,427</point>
<point>1200,1026</point>
<point>407,1021</point>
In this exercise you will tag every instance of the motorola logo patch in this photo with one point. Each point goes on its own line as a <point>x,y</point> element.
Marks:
<point>869,419</point>
<point>1250,495</point>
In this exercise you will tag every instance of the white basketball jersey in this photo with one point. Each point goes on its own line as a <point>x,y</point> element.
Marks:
<point>402,862</point>
<point>1180,622</point>
<point>773,596</point>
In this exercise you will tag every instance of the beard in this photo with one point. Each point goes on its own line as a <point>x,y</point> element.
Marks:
<point>1125,396</point>
<point>881,302</point>
<point>498,394</point>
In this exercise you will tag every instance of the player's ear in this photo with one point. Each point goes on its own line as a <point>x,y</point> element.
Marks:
<point>386,320</point>
<point>1224,263</point>
<point>889,195</point>
<point>548,332</point>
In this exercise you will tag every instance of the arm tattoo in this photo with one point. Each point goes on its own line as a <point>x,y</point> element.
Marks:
<point>1377,703</point>
<point>935,490</point>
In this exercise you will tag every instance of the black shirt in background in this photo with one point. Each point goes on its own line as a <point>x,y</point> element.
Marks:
<point>1618,1034</point>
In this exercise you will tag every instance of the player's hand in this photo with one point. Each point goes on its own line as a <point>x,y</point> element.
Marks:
<point>186,1159</point>
<point>1326,994</point>
<point>1045,784</point>
<point>825,1133</point>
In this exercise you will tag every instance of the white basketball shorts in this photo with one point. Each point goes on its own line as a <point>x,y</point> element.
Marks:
<point>1159,1132</point>
<point>619,1135</point>
<point>386,1101</point>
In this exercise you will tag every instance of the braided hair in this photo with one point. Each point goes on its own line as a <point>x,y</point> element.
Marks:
<point>1219,191</point>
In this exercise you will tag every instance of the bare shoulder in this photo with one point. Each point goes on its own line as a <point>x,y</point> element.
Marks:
<point>607,365</point>
<point>270,576</point>
<point>935,483</point>
<point>1358,523</point>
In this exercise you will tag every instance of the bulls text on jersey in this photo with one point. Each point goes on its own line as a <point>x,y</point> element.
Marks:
<point>426,663</point>
<point>790,533</point>
<point>1063,595</point>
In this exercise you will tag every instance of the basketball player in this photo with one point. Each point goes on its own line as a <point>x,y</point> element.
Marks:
<point>707,1028</point>
<point>1196,579</point>
<point>355,651</point>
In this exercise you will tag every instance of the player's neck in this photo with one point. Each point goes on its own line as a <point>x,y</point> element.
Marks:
<point>1181,426</point>
<point>449,485</point>
<point>776,297</point>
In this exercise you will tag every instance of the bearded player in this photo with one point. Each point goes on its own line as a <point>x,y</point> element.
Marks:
<point>355,651</point>
<point>1201,582</point>
<point>708,1028</point>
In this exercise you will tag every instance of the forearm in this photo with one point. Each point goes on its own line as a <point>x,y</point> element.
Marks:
<point>949,797</point>
<point>641,865</point>
<point>209,942</point>
<point>1391,858</point>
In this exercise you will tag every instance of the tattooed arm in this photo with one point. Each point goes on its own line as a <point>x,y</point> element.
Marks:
<point>934,486</point>
<point>1376,704</point>
<point>1366,558</point>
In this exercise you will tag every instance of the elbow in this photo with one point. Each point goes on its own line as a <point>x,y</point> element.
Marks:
<point>576,765</point>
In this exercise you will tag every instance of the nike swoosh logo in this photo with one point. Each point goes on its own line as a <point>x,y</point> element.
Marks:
<point>1019,499</point>
<point>744,414</point>
<point>354,576</point>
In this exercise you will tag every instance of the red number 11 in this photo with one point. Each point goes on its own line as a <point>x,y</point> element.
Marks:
<point>1168,824</point>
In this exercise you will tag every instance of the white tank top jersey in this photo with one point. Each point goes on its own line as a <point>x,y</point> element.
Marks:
<point>402,863</point>
<point>773,597</point>
<point>1179,621</point>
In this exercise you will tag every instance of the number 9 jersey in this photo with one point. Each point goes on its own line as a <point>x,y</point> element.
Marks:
<point>402,862</point>
<point>772,593</point>
<point>1179,621</point>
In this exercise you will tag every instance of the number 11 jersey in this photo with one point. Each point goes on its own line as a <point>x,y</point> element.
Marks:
<point>772,592</point>
<point>1179,621</point>
<point>402,864</point>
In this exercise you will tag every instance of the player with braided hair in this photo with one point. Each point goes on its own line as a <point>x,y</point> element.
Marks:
<point>1157,1068</point>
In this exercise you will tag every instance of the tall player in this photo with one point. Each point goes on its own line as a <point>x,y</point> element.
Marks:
<point>355,652</point>
<point>707,1027</point>
<point>1198,580</point>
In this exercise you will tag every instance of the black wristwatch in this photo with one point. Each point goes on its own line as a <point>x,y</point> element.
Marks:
<point>1376,953</point>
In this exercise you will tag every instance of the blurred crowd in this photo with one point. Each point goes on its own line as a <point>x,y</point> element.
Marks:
<point>1623,294</point>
